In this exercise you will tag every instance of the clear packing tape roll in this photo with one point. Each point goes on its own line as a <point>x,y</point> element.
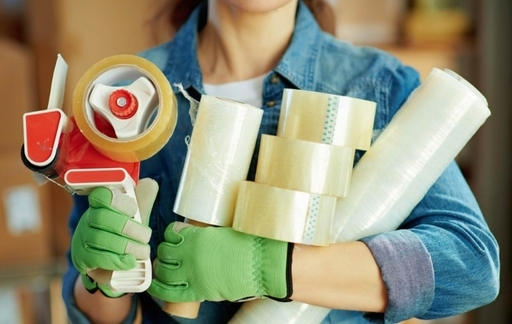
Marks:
<point>326,118</point>
<point>305,166</point>
<point>218,159</point>
<point>157,127</point>
<point>283,214</point>
<point>424,136</point>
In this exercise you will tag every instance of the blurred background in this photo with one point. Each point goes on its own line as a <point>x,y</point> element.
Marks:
<point>471,37</point>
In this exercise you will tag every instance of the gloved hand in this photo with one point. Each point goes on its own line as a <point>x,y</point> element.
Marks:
<point>219,263</point>
<point>108,238</point>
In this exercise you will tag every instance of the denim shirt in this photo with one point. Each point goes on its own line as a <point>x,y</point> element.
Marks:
<point>442,261</point>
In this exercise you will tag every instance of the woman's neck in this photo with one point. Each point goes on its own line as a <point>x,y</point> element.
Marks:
<point>238,44</point>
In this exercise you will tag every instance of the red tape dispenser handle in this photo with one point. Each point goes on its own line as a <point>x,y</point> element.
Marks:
<point>137,279</point>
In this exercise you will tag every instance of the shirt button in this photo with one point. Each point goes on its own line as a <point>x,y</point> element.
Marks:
<point>274,79</point>
<point>271,103</point>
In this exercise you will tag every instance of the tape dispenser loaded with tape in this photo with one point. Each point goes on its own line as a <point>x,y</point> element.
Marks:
<point>123,112</point>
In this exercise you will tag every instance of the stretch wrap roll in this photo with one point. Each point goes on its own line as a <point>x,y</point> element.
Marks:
<point>122,69</point>
<point>326,118</point>
<point>283,214</point>
<point>424,136</point>
<point>218,158</point>
<point>305,166</point>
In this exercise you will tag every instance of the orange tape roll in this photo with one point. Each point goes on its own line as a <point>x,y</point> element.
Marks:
<point>123,69</point>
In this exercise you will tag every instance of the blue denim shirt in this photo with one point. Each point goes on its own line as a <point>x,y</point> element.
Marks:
<point>441,261</point>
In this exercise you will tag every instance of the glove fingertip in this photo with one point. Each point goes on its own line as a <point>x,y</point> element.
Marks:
<point>126,262</point>
<point>148,184</point>
<point>147,189</point>
<point>172,233</point>
<point>100,197</point>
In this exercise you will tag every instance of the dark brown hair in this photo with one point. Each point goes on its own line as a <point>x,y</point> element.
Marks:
<point>178,12</point>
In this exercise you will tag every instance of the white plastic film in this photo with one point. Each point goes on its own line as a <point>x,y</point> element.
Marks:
<point>425,135</point>
<point>218,158</point>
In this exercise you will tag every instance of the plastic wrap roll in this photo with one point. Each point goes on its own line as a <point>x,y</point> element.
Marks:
<point>119,69</point>
<point>326,118</point>
<point>274,312</point>
<point>218,158</point>
<point>423,137</point>
<point>283,214</point>
<point>305,166</point>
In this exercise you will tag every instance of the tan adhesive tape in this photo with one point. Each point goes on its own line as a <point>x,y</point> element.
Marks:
<point>218,158</point>
<point>120,69</point>
<point>325,118</point>
<point>305,166</point>
<point>282,214</point>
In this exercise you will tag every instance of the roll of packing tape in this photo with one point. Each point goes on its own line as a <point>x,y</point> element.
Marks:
<point>305,166</point>
<point>282,214</point>
<point>326,118</point>
<point>123,69</point>
<point>218,158</point>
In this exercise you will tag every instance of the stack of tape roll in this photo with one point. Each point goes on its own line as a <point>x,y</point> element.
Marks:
<point>218,159</point>
<point>303,170</point>
<point>424,136</point>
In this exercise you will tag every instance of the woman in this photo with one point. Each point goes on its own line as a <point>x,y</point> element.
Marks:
<point>442,261</point>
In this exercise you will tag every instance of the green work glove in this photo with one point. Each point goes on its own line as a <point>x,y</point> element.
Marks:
<point>107,237</point>
<point>219,263</point>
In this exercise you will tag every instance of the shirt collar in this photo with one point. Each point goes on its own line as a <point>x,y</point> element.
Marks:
<point>297,64</point>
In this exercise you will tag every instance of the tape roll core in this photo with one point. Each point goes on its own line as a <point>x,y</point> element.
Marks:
<point>112,70</point>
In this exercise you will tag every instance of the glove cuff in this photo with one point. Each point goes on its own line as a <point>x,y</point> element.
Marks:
<point>278,284</point>
<point>89,284</point>
<point>92,287</point>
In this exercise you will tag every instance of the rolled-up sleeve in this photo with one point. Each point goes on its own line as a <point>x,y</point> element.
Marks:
<point>407,272</point>
<point>443,260</point>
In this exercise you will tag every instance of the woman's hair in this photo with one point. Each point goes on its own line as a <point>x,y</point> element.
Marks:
<point>178,12</point>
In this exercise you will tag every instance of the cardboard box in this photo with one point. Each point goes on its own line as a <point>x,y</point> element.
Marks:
<point>11,20</point>
<point>24,216</point>
<point>369,22</point>
<point>61,204</point>
<point>425,59</point>
<point>32,304</point>
<point>84,32</point>
<point>17,92</point>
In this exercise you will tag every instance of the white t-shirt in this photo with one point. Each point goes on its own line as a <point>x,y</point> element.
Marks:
<point>247,91</point>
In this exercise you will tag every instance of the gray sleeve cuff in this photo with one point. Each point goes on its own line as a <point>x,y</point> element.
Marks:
<point>407,272</point>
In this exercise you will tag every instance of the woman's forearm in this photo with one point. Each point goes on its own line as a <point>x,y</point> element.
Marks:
<point>339,276</point>
<point>99,308</point>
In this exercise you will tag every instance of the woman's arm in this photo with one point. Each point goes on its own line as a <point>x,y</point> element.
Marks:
<point>340,276</point>
<point>99,308</point>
